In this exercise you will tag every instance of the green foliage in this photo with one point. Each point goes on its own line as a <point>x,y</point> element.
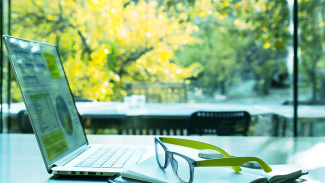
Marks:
<point>211,43</point>
<point>312,16</point>
<point>107,43</point>
<point>219,52</point>
<point>238,39</point>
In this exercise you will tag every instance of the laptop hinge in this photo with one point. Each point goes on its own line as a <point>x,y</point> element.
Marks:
<point>70,156</point>
<point>50,168</point>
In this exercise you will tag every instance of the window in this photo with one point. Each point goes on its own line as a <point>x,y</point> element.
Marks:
<point>311,65</point>
<point>226,54</point>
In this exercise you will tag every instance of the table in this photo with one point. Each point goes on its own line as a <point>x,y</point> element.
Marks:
<point>21,161</point>
<point>308,115</point>
<point>155,118</point>
<point>174,116</point>
<point>181,110</point>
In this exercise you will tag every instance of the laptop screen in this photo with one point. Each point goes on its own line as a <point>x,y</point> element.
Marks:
<point>47,96</point>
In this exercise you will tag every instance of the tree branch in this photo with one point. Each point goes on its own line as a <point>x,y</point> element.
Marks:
<point>87,49</point>
<point>133,57</point>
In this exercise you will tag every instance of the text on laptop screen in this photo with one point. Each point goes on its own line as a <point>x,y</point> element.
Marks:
<point>47,96</point>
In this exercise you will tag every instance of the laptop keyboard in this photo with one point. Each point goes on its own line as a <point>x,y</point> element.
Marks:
<point>114,157</point>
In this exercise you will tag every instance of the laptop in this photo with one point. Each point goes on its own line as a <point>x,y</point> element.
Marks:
<point>54,116</point>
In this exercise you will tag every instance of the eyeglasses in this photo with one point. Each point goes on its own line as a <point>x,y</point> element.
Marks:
<point>183,166</point>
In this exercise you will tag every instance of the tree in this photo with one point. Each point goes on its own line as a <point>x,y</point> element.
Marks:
<point>268,28</point>
<point>239,38</point>
<point>311,25</point>
<point>219,53</point>
<point>106,43</point>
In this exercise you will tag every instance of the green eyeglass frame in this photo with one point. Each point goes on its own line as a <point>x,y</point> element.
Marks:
<point>234,162</point>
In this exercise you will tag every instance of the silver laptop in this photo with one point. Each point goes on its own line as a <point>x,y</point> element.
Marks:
<point>54,116</point>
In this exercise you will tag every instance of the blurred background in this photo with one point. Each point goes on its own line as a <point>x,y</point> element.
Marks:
<point>149,64</point>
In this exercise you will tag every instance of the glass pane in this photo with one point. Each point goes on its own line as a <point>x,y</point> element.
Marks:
<point>312,68</point>
<point>218,55</point>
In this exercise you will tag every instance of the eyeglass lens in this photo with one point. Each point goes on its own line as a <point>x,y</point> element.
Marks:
<point>161,155</point>
<point>181,167</point>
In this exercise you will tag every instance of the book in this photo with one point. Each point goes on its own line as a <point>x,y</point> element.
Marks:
<point>149,171</point>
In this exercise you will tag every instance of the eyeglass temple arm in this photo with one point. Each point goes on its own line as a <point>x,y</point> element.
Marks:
<point>199,146</point>
<point>236,161</point>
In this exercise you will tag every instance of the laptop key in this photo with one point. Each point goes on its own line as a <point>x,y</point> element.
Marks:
<point>118,165</point>
<point>86,165</point>
<point>96,166</point>
<point>107,165</point>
